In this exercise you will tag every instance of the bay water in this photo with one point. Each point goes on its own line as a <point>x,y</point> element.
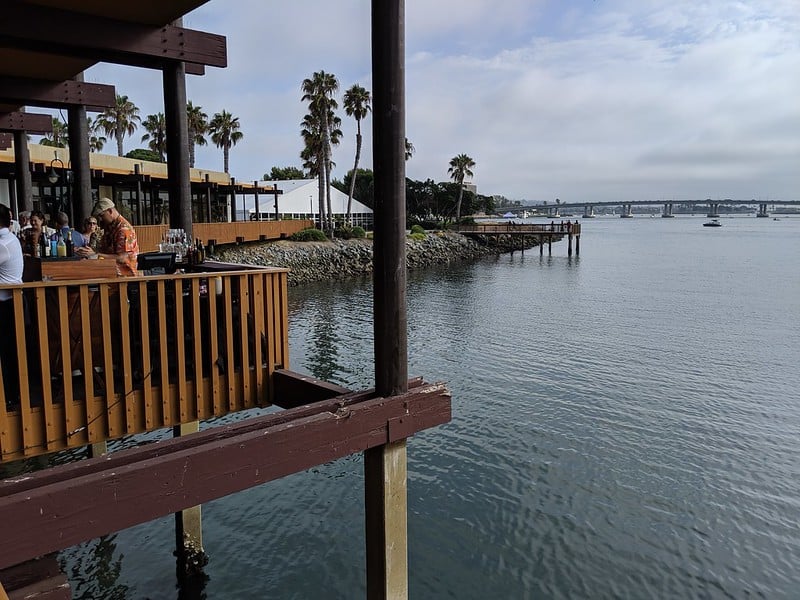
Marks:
<point>626,424</point>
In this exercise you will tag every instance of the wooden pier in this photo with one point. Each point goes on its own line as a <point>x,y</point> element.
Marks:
<point>521,233</point>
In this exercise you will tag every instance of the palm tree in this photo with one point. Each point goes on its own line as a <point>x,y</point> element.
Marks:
<point>410,150</point>
<point>459,169</point>
<point>197,122</point>
<point>313,156</point>
<point>96,140</point>
<point>156,127</point>
<point>58,137</point>
<point>319,90</point>
<point>119,120</point>
<point>224,130</point>
<point>357,105</point>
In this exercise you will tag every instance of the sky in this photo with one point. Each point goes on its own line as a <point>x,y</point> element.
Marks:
<point>580,100</point>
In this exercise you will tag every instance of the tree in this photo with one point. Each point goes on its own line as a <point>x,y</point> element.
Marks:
<point>410,150</point>
<point>224,130</point>
<point>119,120</point>
<point>156,127</point>
<point>357,105</point>
<point>284,174</point>
<point>364,189</point>
<point>460,167</point>
<point>57,138</point>
<point>318,91</point>
<point>314,162</point>
<point>144,154</point>
<point>96,140</point>
<point>197,123</point>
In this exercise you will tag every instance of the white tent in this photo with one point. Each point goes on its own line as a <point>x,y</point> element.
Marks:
<point>299,200</point>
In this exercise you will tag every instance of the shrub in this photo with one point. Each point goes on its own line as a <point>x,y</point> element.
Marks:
<point>417,228</point>
<point>418,236</point>
<point>309,235</point>
<point>358,232</point>
<point>467,221</point>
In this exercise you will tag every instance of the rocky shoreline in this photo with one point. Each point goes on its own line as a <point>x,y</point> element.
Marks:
<point>341,259</point>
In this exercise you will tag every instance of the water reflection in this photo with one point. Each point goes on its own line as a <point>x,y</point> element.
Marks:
<point>94,570</point>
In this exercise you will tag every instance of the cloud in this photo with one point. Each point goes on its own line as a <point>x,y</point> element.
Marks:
<point>614,99</point>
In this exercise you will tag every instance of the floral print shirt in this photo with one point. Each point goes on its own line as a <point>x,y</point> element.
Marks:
<point>118,238</point>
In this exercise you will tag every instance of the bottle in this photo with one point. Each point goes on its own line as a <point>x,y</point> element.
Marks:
<point>70,246</point>
<point>46,246</point>
<point>53,246</point>
<point>61,247</point>
<point>37,248</point>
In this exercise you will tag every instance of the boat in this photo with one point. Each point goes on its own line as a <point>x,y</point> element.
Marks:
<point>712,223</point>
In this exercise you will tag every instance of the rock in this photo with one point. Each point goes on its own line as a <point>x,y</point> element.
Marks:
<point>317,261</point>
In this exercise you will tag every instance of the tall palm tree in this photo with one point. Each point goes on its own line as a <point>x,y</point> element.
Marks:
<point>120,120</point>
<point>224,130</point>
<point>96,139</point>
<point>318,91</point>
<point>313,158</point>
<point>197,122</point>
<point>156,127</point>
<point>410,150</point>
<point>459,169</point>
<point>58,137</point>
<point>357,105</point>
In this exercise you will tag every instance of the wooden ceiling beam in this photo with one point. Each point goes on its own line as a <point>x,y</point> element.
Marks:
<point>36,123</point>
<point>34,27</point>
<point>55,94</point>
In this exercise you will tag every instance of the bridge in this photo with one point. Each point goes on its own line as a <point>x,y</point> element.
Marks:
<point>711,206</point>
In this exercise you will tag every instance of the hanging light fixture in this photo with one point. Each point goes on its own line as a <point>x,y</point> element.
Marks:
<point>52,175</point>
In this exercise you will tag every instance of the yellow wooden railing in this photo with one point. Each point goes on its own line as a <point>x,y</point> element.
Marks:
<point>225,233</point>
<point>99,359</point>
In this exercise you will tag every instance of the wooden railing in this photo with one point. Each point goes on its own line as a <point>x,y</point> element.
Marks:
<point>149,236</point>
<point>493,228</point>
<point>103,358</point>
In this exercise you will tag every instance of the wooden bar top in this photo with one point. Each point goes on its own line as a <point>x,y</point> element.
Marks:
<point>71,268</point>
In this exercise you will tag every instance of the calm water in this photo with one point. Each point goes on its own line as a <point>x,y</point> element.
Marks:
<point>626,425</point>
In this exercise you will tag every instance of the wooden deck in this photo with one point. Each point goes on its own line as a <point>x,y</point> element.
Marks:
<point>104,358</point>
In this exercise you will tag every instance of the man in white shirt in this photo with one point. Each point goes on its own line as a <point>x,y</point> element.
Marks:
<point>11,265</point>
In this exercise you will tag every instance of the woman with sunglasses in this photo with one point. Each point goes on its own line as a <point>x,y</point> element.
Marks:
<point>91,233</point>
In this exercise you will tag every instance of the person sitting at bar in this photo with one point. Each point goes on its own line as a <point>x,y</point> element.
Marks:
<point>11,264</point>
<point>119,241</point>
<point>62,223</point>
<point>30,238</point>
<point>90,233</point>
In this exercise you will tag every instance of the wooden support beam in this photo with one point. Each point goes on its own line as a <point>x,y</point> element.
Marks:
<point>55,94</point>
<point>34,27</point>
<point>40,578</point>
<point>36,123</point>
<point>59,507</point>
<point>6,140</point>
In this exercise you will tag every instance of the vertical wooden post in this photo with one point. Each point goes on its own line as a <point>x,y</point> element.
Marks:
<point>188,524</point>
<point>385,466</point>
<point>81,187</point>
<point>578,244</point>
<point>22,165</point>
<point>569,244</point>
<point>550,245</point>
<point>541,244</point>
<point>180,190</point>
<point>258,204</point>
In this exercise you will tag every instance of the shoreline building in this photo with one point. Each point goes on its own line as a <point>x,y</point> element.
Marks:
<point>299,199</point>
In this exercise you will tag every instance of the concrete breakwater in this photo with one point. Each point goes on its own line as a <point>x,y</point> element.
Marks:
<point>340,259</point>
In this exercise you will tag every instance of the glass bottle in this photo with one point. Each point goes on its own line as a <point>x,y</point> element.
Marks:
<point>61,247</point>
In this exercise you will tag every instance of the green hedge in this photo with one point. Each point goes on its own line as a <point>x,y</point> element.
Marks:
<point>309,235</point>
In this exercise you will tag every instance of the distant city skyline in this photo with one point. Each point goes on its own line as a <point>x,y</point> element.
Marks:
<point>576,100</point>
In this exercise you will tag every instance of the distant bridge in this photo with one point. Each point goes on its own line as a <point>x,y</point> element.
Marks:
<point>553,210</point>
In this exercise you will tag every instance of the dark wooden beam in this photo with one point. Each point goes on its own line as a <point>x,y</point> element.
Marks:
<point>5,141</point>
<point>56,508</point>
<point>33,27</point>
<point>36,123</point>
<point>55,94</point>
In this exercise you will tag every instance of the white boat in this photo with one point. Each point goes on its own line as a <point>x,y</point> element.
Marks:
<point>712,223</point>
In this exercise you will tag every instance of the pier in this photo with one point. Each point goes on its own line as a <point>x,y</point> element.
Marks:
<point>520,233</point>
